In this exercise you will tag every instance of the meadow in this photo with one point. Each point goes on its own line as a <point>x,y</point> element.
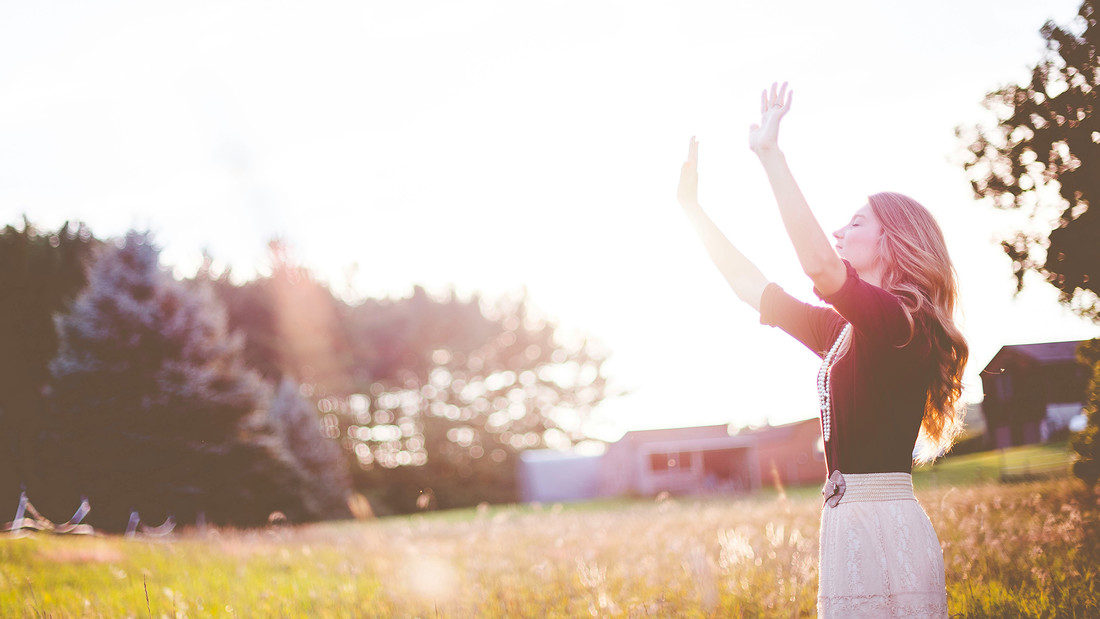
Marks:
<point>1011,550</point>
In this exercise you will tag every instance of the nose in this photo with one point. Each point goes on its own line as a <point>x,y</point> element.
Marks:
<point>838,233</point>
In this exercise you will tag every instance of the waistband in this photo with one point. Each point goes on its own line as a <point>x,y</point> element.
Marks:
<point>866,487</point>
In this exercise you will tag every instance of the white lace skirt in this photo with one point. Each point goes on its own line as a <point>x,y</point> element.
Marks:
<point>880,556</point>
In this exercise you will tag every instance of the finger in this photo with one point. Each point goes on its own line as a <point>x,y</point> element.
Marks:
<point>782,93</point>
<point>694,150</point>
<point>773,97</point>
<point>763,101</point>
<point>783,105</point>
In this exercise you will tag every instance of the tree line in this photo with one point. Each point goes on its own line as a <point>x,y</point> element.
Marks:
<point>213,400</point>
<point>208,397</point>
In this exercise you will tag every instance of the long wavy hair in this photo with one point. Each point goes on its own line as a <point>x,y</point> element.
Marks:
<point>917,268</point>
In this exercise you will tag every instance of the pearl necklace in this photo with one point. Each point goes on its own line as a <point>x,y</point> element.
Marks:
<point>824,382</point>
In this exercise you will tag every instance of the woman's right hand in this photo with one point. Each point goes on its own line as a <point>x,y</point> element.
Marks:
<point>688,191</point>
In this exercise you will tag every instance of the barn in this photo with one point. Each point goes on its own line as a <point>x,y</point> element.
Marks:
<point>1032,391</point>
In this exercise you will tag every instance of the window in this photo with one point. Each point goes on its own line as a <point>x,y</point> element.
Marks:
<point>671,462</point>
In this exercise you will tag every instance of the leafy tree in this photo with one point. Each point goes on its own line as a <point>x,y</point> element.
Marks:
<point>42,272</point>
<point>424,392</point>
<point>152,403</point>
<point>1087,442</point>
<point>1043,157</point>
<point>458,389</point>
<point>293,322</point>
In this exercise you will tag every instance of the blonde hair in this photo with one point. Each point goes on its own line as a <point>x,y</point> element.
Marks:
<point>917,268</point>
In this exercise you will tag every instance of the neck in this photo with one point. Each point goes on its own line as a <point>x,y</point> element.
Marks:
<point>872,276</point>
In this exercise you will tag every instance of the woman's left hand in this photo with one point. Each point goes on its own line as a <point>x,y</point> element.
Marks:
<point>774,105</point>
<point>688,191</point>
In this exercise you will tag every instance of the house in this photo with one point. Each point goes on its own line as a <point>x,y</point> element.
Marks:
<point>1032,391</point>
<point>678,461</point>
<point>692,460</point>
<point>791,454</point>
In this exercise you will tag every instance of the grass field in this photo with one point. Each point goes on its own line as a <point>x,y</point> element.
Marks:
<point>1011,550</point>
<point>1021,463</point>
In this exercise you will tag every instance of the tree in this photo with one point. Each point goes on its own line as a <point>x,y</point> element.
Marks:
<point>293,324</point>
<point>1087,442</point>
<point>423,392</point>
<point>1043,157</point>
<point>152,404</point>
<point>457,389</point>
<point>42,272</point>
<point>318,457</point>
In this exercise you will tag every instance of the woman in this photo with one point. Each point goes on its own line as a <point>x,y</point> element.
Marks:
<point>892,361</point>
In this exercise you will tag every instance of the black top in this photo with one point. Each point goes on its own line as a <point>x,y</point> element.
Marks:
<point>879,386</point>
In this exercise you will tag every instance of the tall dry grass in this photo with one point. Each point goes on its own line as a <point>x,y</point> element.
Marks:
<point>1018,550</point>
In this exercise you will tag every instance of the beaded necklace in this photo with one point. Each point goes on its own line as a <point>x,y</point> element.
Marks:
<point>824,382</point>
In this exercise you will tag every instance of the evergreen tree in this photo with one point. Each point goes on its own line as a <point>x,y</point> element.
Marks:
<point>317,457</point>
<point>42,272</point>
<point>153,404</point>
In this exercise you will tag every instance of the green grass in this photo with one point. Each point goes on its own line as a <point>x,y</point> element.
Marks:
<point>1024,463</point>
<point>1026,549</point>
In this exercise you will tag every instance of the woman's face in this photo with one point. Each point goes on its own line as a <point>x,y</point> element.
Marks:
<point>857,242</point>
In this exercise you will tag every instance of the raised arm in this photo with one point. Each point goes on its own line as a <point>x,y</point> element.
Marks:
<point>746,280</point>
<point>815,253</point>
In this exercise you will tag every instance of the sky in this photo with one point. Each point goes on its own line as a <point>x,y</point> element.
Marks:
<point>500,147</point>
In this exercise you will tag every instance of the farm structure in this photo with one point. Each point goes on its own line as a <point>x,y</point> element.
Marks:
<point>1032,391</point>
<point>691,460</point>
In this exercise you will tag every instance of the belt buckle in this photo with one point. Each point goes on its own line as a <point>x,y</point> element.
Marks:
<point>834,489</point>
